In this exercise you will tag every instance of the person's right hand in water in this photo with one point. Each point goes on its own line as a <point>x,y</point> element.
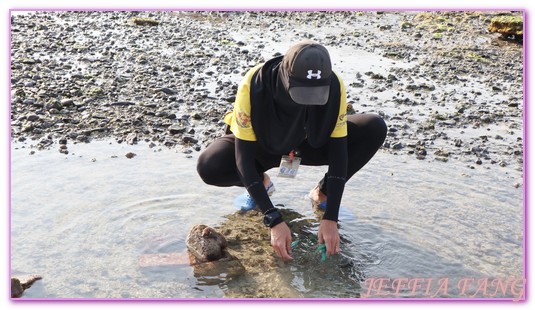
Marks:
<point>281,240</point>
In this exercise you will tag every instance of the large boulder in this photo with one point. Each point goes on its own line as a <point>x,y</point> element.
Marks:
<point>508,25</point>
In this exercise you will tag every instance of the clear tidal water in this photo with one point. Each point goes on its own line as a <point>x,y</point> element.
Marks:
<point>410,228</point>
<point>83,220</point>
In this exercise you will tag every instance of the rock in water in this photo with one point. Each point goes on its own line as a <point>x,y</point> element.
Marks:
<point>212,264</point>
<point>207,254</point>
<point>206,244</point>
<point>18,287</point>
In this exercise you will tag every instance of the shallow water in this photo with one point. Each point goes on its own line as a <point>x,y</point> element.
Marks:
<point>83,220</point>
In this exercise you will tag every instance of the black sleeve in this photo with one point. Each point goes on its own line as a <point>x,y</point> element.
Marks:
<point>251,179</point>
<point>336,176</point>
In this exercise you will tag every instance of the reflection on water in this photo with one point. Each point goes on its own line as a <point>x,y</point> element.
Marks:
<point>83,220</point>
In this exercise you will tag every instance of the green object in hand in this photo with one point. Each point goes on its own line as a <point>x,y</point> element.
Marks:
<point>323,249</point>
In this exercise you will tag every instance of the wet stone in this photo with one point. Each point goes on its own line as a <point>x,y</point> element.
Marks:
<point>67,102</point>
<point>442,153</point>
<point>441,158</point>
<point>131,138</point>
<point>82,138</point>
<point>167,91</point>
<point>122,103</point>
<point>397,146</point>
<point>189,139</point>
<point>32,118</point>
<point>18,286</point>
<point>176,129</point>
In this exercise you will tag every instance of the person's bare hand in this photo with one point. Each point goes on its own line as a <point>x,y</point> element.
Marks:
<point>281,240</point>
<point>328,234</point>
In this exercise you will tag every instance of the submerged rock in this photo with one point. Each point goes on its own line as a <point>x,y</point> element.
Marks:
<point>267,276</point>
<point>238,257</point>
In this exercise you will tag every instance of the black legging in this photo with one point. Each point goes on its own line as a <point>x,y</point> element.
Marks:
<point>365,134</point>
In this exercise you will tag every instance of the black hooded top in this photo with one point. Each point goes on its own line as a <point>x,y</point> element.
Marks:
<point>280,124</point>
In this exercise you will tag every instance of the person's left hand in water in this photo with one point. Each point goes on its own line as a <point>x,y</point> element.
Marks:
<point>328,235</point>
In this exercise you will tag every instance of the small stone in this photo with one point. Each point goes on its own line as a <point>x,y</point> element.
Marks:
<point>230,99</point>
<point>188,139</point>
<point>442,153</point>
<point>196,116</point>
<point>32,117</point>
<point>82,138</point>
<point>397,146</point>
<point>130,155</point>
<point>168,91</point>
<point>176,129</point>
<point>131,138</point>
<point>441,158</point>
<point>27,128</point>
<point>169,143</point>
<point>67,102</point>
<point>420,157</point>
<point>141,21</point>
<point>122,103</point>
<point>98,115</point>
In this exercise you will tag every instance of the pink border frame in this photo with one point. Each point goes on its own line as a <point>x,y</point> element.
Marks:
<point>300,300</point>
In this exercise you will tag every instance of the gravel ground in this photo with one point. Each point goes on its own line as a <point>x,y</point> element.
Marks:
<point>167,78</point>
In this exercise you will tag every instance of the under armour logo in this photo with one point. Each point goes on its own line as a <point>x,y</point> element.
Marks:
<point>316,75</point>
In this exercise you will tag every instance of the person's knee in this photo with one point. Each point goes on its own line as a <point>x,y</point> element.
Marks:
<point>205,171</point>
<point>372,127</point>
<point>379,127</point>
